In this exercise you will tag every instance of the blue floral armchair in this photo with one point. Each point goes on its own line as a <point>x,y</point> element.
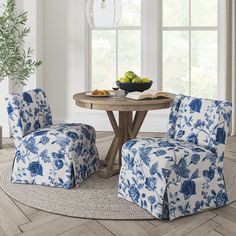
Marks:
<point>181,174</point>
<point>50,155</point>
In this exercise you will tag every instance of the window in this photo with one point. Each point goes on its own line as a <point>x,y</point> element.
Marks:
<point>115,51</point>
<point>190,47</point>
<point>180,48</point>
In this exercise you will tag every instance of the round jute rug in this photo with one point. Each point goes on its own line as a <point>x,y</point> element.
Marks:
<point>95,199</point>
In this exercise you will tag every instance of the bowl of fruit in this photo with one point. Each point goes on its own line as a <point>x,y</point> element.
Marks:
<point>131,82</point>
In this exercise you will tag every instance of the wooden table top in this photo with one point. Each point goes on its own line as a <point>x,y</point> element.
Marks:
<point>121,104</point>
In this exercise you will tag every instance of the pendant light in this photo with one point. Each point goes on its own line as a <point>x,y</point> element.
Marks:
<point>103,13</point>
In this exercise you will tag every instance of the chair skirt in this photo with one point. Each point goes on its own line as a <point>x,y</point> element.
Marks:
<point>170,178</point>
<point>60,156</point>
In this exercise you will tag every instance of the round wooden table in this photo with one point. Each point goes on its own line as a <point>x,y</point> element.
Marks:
<point>128,126</point>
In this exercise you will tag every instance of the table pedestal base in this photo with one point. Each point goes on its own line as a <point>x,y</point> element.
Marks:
<point>127,129</point>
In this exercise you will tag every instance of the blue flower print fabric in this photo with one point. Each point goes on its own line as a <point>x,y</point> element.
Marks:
<point>181,174</point>
<point>60,156</point>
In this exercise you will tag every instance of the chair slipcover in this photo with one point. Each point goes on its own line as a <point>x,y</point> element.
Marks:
<point>50,155</point>
<point>181,174</point>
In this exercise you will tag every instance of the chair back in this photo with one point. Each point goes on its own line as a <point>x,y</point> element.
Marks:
<point>204,122</point>
<point>27,112</point>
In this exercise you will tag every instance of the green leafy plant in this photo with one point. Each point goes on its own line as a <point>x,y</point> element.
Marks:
<point>15,61</point>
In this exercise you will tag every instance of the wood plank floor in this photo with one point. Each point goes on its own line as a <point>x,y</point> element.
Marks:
<point>18,219</point>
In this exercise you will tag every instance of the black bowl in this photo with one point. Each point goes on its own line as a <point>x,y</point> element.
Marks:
<point>134,87</point>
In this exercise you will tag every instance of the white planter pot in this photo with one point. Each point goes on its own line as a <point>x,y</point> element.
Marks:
<point>15,87</point>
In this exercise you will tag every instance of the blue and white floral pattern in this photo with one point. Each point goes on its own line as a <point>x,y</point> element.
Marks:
<point>50,155</point>
<point>181,174</point>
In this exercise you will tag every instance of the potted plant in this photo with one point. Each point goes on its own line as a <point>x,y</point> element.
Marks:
<point>16,62</point>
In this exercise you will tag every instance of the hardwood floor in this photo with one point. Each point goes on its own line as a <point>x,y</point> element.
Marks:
<point>18,219</point>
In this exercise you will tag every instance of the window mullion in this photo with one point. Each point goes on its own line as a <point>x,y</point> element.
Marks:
<point>151,64</point>
<point>117,53</point>
<point>88,61</point>
<point>222,47</point>
<point>192,28</point>
<point>121,28</point>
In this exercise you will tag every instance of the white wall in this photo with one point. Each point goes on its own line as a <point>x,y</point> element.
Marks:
<point>35,38</point>
<point>65,65</point>
<point>64,59</point>
<point>61,56</point>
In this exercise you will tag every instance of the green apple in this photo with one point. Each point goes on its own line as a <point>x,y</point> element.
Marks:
<point>137,80</point>
<point>146,80</point>
<point>129,74</point>
<point>132,76</point>
<point>124,80</point>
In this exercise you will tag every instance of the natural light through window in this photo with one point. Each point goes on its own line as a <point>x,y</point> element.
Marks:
<point>190,46</point>
<point>115,51</point>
